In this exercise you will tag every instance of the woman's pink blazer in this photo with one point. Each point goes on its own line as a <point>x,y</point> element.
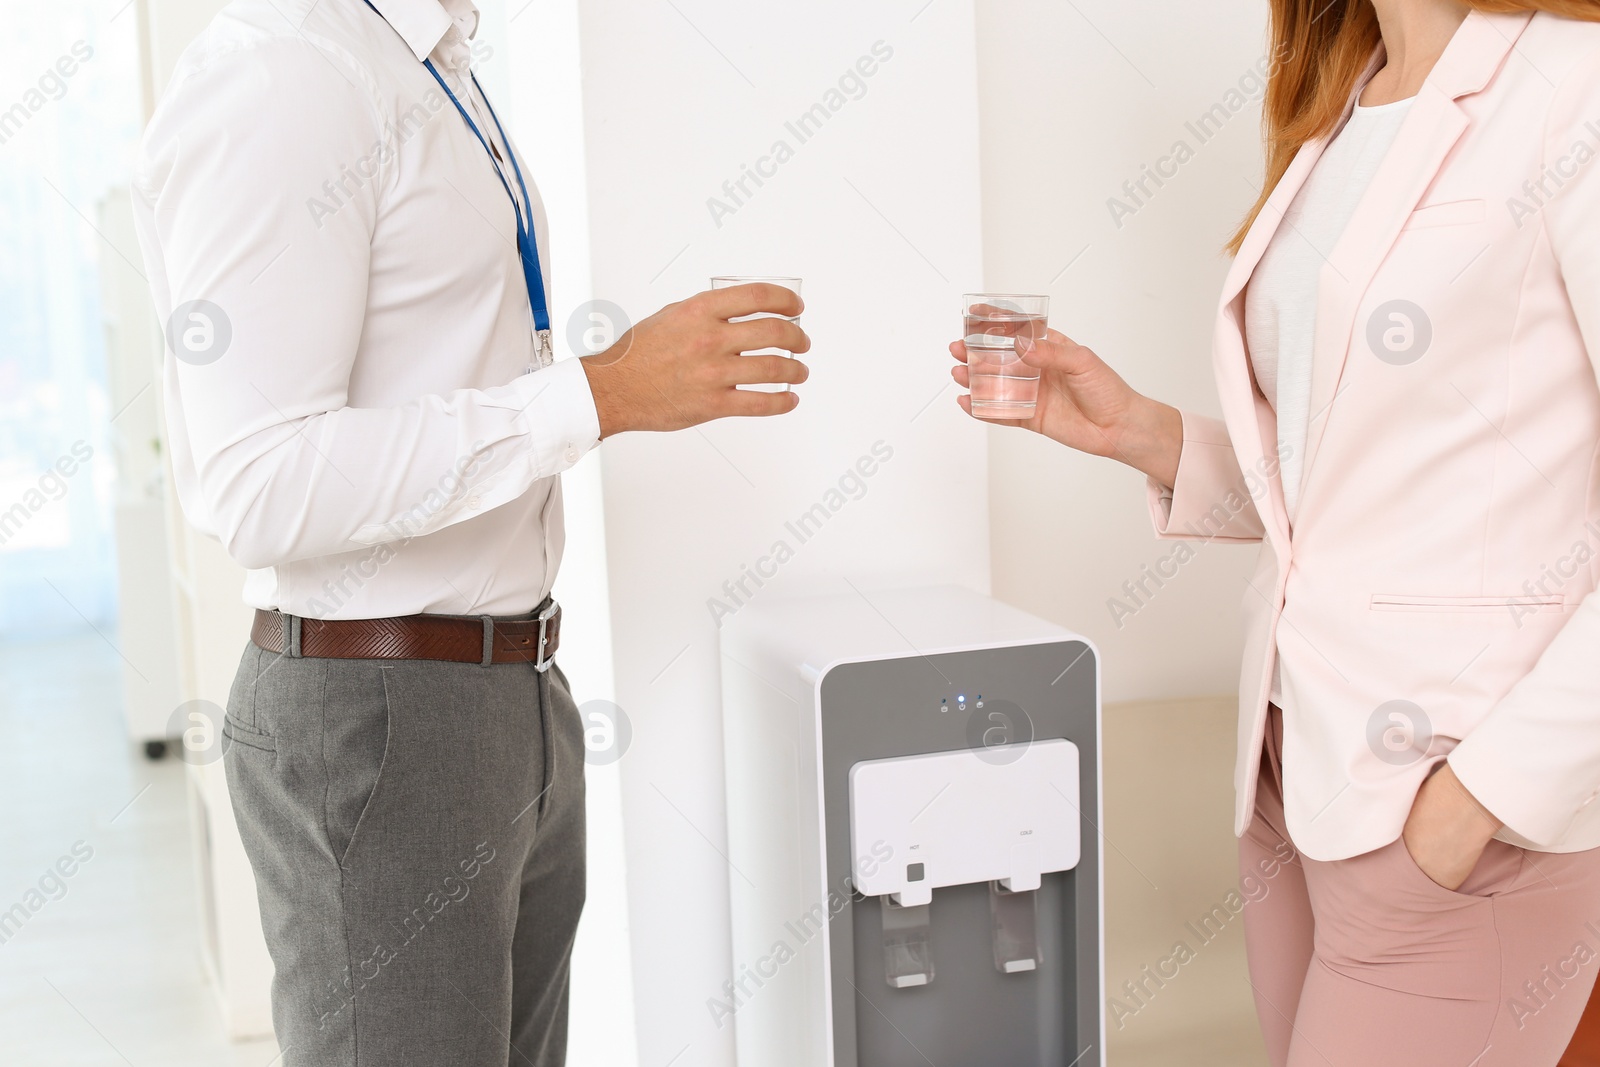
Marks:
<point>1437,596</point>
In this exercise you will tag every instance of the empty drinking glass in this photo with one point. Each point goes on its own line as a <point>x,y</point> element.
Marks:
<point>728,282</point>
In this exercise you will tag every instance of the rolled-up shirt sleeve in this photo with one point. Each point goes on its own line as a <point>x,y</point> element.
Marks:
<point>284,467</point>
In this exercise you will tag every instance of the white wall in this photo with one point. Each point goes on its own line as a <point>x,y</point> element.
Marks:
<point>168,26</point>
<point>879,212</point>
<point>535,65</point>
<point>1076,99</point>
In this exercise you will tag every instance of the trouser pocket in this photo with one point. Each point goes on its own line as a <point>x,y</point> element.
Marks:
<point>357,731</point>
<point>1494,872</point>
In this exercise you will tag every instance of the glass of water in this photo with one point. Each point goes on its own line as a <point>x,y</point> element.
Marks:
<point>793,284</point>
<point>1002,386</point>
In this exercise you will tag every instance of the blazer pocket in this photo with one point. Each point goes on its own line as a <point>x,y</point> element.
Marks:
<point>1453,213</point>
<point>1467,605</point>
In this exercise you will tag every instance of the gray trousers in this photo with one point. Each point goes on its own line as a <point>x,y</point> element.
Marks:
<point>417,834</point>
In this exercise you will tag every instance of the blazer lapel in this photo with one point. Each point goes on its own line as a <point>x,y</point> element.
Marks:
<point>1271,217</point>
<point>1434,125</point>
<point>1249,426</point>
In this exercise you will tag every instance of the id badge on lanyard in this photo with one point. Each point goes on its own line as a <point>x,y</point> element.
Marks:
<point>527,243</point>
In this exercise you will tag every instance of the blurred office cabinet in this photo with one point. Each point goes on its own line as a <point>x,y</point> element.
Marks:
<point>213,626</point>
<point>148,639</point>
<point>184,625</point>
<point>181,594</point>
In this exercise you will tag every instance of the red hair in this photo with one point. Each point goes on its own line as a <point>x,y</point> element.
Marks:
<point>1320,49</point>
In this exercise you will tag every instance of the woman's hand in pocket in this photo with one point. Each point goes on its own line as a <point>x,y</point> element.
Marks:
<point>1448,829</point>
<point>1086,405</point>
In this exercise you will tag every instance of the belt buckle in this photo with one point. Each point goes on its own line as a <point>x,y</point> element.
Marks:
<point>541,663</point>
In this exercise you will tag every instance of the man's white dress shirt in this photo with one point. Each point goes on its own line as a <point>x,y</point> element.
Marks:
<point>368,442</point>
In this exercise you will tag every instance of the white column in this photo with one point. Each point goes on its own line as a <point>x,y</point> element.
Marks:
<point>834,141</point>
<point>533,63</point>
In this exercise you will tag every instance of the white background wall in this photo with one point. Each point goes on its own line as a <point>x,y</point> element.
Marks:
<point>1076,99</point>
<point>879,213</point>
<point>535,66</point>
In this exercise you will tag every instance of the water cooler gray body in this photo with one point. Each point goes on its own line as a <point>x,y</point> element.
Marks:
<point>963,738</point>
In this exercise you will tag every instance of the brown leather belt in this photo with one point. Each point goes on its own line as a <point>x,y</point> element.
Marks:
<point>452,638</point>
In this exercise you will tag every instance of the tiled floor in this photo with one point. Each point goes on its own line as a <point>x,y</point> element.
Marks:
<point>106,968</point>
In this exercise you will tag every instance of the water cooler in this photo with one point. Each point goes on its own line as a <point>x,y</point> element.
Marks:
<point>913,788</point>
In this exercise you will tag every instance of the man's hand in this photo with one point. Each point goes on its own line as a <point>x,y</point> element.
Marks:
<point>682,366</point>
<point>1448,829</point>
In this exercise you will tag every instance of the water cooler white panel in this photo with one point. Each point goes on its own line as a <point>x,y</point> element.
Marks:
<point>1006,814</point>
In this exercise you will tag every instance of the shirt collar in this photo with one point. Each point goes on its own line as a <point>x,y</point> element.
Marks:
<point>422,24</point>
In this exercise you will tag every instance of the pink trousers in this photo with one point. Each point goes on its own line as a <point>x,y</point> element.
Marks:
<point>1367,962</point>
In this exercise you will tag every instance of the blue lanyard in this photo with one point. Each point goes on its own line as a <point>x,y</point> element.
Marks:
<point>527,244</point>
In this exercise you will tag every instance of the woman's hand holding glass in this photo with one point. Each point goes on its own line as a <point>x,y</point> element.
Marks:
<point>1087,406</point>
